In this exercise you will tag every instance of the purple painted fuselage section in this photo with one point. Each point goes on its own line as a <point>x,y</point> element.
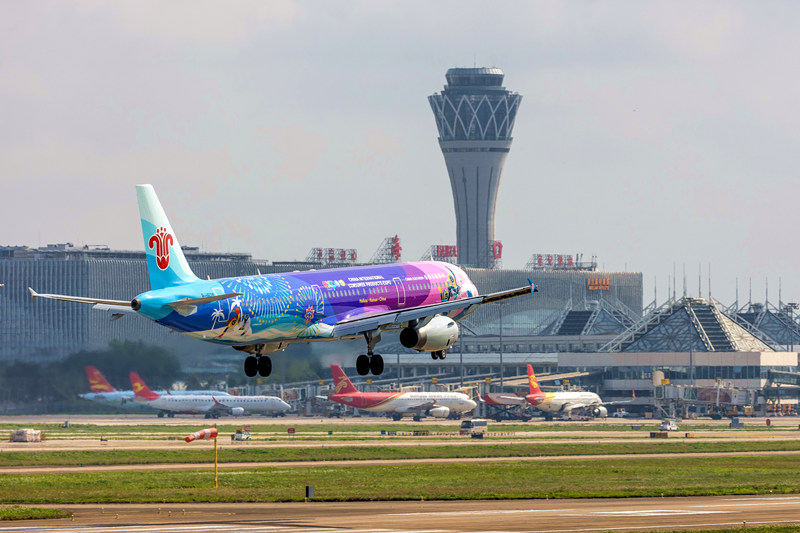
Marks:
<point>306,305</point>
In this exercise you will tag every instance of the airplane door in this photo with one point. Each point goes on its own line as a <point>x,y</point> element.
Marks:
<point>401,292</point>
<point>320,303</point>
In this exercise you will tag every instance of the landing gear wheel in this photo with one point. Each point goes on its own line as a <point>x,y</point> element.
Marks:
<point>434,356</point>
<point>416,419</point>
<point>362,365</point>
<point>250,366</point>
<point>397,417</point>
<point>264,366</point>
<point>438,354</point>
<point>376,365</point>
<point>442,354</point>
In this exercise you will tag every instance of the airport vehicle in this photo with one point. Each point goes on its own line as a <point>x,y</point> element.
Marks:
<point>668,424</point>
<point>565,402</point>
<point>475,427</point>
<point>620,413</point>
<point>103,391</point>
<point>210,406</point>
<point>264,314</point>
<point>417,404</point>
<point>241,434</point>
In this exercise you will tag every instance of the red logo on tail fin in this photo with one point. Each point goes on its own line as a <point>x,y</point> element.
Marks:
<point>161,241</point>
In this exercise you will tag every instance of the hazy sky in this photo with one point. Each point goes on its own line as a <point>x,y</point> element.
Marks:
<point>650,133</point>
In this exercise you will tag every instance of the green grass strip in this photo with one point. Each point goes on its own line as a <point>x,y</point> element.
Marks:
<point>639,477</point>
<point>17,512</point>
<point>246,453</point>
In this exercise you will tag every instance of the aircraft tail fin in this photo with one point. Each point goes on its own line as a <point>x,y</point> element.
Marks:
<point>140,388</point>
<point>97,381</point>
<point>533,385</point>
<point>341,383</point>
<point>166,264</point>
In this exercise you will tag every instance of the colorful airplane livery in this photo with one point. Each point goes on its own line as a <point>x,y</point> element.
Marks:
<point>210,406</point>
<point>102,391</point>
<point>436,404</point>
<point>263,314</point>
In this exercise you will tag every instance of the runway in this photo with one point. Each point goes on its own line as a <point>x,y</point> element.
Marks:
<point>533,516</point>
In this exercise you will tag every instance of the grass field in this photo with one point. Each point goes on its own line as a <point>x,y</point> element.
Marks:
<point>18,512</point>
<point>635,477</point>
<point>246,453</point>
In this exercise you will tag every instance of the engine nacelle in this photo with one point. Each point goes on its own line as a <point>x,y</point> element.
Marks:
<point>600,412</point>
<point>438,334</point>
<point>439,412</point>
<point>236,411</point>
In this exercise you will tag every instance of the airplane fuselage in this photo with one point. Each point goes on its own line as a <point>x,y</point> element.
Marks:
<point>302,305</point>
<point>405,402</point>
<point>198,403</point>
<point>560,402</point>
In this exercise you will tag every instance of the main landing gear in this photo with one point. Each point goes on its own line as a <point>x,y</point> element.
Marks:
<point>257,364</point>
<point>370,362</point>
<point>441,354</point>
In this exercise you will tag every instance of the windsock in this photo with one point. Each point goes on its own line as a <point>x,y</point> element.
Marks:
<point>210,433</point>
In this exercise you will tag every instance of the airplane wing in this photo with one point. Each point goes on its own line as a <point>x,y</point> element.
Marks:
<point>567,407</point>
<point>395,318</point>
<point>421,406</point>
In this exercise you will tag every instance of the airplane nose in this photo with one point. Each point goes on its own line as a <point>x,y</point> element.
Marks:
<point>472,404</point>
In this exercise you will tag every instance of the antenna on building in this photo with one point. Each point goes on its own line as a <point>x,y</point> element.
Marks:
<point>674,282</point>
<point>709,282</point>
<point>684,280</point>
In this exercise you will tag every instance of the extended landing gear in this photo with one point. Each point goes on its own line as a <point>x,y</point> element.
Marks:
<point>441,354</point>
<point>371,362</point>
<point>257,364</point>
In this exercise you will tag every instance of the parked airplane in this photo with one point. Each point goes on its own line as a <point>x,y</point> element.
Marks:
<point>103,391</point>
<point>263,314</point>
<point>564,402</point>
<point>210,406</point>
<point>436,404</point>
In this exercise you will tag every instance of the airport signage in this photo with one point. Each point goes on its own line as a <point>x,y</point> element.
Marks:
<point>598,284</point>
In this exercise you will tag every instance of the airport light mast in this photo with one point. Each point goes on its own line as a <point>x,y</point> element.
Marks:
<point>475,116</point>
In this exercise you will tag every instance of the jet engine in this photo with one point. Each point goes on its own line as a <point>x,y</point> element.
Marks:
<point>437,335</point>
<point>236,411</point>
<point>599,412</point>
<point>439,412</point>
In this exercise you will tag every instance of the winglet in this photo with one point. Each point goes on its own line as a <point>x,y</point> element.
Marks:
<point>34,294</point>
<point>534,288</point>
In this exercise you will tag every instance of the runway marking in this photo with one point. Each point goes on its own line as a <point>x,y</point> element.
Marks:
<point>499,511</point>
<point>653,512</point>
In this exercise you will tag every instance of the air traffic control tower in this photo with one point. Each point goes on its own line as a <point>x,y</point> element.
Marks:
<point>475,115</point>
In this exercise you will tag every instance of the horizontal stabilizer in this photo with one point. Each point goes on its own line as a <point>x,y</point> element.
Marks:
<point>81,299</point>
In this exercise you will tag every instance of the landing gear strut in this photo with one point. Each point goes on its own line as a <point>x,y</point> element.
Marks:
<point>257,364</point>
<point>371,362</point>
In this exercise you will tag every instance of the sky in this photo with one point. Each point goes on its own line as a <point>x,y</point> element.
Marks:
<point>658,136</point>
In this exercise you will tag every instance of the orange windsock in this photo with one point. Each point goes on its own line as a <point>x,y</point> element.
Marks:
<point>210,433</point>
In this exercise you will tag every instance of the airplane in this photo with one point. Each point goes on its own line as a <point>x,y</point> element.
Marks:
<point>209,405</point>
<point>564,402</point>
<point>435,404</point>
<point>103,391</point>
<point>264,314</point>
